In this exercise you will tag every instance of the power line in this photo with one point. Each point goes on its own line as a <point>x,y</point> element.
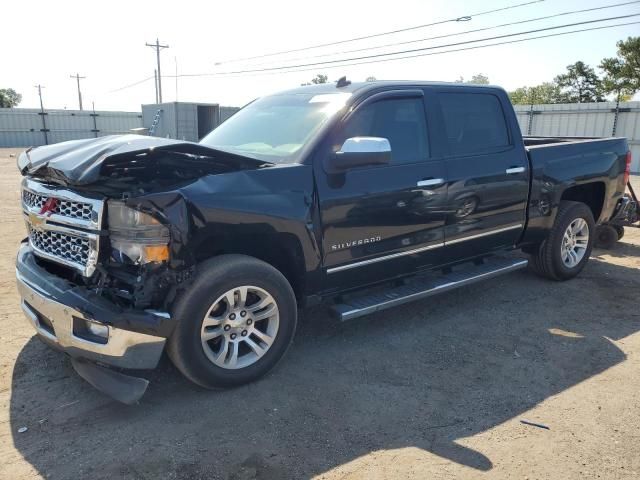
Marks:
<point>300,68</point>
<point>157,48</point>
<point>463,18</point>
<point>383,60</point>
<point>493,27</point>
<point>476,47</point>
<point>366,57</point>
<point>132,84</point>
<point>78,78</point>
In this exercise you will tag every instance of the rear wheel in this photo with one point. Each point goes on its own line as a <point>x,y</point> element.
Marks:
<point>234,323</point>
<point>565,252</point>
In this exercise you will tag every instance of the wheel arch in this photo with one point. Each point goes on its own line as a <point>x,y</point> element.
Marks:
<point>282,251</point>
<point>546,259</point>
<point>591,194</point>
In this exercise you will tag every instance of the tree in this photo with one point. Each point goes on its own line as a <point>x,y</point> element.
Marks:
<point>9,98</point>
<point>629,52</point>
<point>521,96</point>
<point>478,79</point>
<point>614,80</point>
<point>318,79</point>
<point>371,79</point>
<point>580,84</point>
<point>546,92</point>
<point>622,73</point>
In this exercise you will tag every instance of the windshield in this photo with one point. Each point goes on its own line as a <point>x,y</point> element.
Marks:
<point>275,128</point>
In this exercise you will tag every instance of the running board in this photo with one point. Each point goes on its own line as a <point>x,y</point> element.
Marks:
<point>425,286</point>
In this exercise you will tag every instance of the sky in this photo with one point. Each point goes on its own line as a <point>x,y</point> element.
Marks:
<point>45,42</point>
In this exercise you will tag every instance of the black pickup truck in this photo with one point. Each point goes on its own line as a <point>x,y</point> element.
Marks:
<point>363,196</point>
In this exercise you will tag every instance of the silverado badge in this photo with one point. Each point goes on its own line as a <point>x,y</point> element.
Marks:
<point>355,243</point>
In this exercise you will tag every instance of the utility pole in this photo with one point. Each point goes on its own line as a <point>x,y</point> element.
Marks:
<point>94,115</point>
<point>42,114</point>
<point>175,59</point>
<point>78,78</point>
<point>40,87</point>
<point>155,83</point>
<point>157,48</point>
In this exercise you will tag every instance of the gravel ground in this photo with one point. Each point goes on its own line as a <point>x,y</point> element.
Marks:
<point>437,389</point>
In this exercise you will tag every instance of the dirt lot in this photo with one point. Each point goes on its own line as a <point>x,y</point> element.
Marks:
<point>434,390</point>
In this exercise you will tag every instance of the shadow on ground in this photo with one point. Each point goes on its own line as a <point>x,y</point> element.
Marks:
<point>620,250</point>
<point>425,376</point>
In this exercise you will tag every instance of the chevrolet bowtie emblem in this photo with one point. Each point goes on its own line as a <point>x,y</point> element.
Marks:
<point>36,221</point>
<point>39,220</point>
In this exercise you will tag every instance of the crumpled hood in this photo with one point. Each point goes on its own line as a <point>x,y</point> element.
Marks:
<point>80,162</point>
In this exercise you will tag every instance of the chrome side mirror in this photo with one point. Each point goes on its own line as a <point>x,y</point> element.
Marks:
<point>359,152</point>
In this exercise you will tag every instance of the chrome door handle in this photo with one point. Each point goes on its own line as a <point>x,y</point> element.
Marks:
<point>431,182</point>
<point>512,170</point>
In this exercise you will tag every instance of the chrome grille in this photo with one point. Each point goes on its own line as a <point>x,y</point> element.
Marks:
<point>68,247</point>
<point>74,209</point>
<point>68,231</point>
<point>66,208</point>
<point>32,199</point>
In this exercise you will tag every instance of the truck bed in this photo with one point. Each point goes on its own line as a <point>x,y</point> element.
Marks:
<point>560,163</point>
<point>535,140</point>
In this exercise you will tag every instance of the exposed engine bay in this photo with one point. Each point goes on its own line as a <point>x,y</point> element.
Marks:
<point>126,246</point>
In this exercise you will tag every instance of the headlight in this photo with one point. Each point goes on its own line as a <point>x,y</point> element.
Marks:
<point>136,237</point>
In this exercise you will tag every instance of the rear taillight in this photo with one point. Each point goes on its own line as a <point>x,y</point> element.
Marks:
<point>627,168</point>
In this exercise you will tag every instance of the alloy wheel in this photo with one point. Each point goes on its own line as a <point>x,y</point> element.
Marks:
<point>574,242</point>
<point>240,327</point>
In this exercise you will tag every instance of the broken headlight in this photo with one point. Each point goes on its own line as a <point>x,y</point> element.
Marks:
<point>136,237</point>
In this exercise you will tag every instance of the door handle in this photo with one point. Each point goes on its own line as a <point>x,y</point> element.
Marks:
<point>430,182</point>
<point>512,170</point>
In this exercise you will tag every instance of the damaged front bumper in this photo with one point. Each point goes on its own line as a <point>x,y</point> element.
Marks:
<point>67,317</point>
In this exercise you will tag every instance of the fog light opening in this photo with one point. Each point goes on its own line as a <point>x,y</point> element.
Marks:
<point>91,331</point>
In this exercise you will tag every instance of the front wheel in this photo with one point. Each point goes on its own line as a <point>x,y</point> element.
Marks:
<point>565,252</point>
<point>234,323</point>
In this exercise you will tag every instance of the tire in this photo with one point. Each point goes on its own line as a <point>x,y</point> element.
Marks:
<point>209,298</point>
<point>548,261</point>
<point>606,236</point>
<point>619,231</point>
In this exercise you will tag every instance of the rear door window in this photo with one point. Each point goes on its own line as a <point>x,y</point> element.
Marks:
<point>474,123</point>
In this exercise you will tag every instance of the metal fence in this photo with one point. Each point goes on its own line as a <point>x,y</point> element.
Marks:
<point>227,112</point>
<point>585,119</point>
<point>22,127</point>
<point>184,120</point>
<point>30,127</point>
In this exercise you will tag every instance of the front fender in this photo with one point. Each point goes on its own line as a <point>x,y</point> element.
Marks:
<point>267,213</point>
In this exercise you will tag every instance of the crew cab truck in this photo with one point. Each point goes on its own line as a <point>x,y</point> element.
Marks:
<point>208,250</point>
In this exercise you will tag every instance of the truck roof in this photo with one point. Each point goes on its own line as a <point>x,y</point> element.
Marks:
<point>361,87</point>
